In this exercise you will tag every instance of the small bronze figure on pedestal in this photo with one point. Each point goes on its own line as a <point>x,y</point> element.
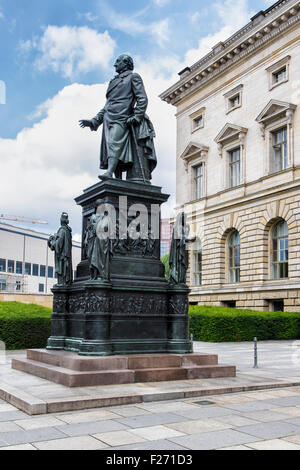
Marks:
<point>98,247</point>
<point>61,244</point>
<point>179,255</point>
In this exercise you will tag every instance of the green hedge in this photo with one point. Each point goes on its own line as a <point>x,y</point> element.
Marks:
<point>24,326</point>
<point>219,324</point>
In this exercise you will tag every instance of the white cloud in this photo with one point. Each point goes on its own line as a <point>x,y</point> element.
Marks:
<point>88,16</point>
<point>72,50</point>
<point>230,24</point>
<point>133,25</point>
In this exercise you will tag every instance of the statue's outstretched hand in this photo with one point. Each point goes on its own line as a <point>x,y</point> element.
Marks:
<point>86,123</point>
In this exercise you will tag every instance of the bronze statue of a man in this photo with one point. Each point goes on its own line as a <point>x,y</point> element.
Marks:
<point>127,139</point>
<point>61,244</point>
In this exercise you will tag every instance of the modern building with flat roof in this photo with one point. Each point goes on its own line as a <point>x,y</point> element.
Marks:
<point>26,261</point>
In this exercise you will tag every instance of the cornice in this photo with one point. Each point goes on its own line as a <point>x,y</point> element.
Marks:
<point>262,29</point>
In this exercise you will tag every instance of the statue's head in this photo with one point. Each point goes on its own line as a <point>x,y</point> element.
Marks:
<point>64,219</point>
<point>124,62</point>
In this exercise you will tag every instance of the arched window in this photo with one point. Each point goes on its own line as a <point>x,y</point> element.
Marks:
<point>234,264</point>
<point>280,241</point>
<point>197,264</point>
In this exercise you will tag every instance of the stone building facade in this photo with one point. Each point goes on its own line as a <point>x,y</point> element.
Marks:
<point>238,164</point>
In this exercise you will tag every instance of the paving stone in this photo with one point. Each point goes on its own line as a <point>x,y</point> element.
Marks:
<point>152,433</point>
<point>199,426</point>
<point>27,437</point>
<point>241,447</point>
<point>7,407</point>
<point>127,412</point>
<point>12,415</point>
<point>206,412</point>
<point>274,444</point>
<point>295,439</point>
<point>72,443</point>
<point>267,416</point>
<point>19,447</point>
<point>214,440</point>
<point>290,411</point>
<point>83,429</point>
<point>151,420</point>
<point>236,420</point>
<point>88,416</point>
<point>272,430</point>
<point>251,406</point>
<point>285,401</point>
<point>167,407</point>
<point>153,445</point>
<point>119,438</point>
<point>38,423</point>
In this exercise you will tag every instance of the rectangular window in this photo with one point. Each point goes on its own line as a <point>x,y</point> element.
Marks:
<point>19,267</point>
<point>2,265</point>
<point>50,271</point>
<point>279,75</point>
<point>198,268</point>
<point>28,269</point>
<point>199,181</point>
<point>234,101</point>
<point>35,269</point>
<point>198,122</point>
<point>279,138</point>
<point>234,167</point>
<point>10,266</point>
<point>42,271</point>
<point>41,288</point>
<point>18,286</point>
<point>2,285</point>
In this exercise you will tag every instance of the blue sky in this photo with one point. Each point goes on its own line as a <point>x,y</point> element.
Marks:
<point>56,58</point>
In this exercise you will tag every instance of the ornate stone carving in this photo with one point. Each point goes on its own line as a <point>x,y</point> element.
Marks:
<point>60,303</point>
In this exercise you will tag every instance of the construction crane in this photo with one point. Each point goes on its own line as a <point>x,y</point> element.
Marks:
<point>16,218</point>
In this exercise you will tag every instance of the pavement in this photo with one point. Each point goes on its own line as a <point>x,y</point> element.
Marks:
<point>267,419</point>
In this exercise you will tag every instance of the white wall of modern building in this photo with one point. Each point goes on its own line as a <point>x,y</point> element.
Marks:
<point>26,262</point>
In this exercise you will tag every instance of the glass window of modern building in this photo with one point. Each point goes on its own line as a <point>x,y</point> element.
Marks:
<point>41,287</point>
<point>19,267</point>
<point>50,272</point>
<point>35,269</point>
<point>42,271</point>
<point>2,285</point>
<point>2,265</point>
<point>10,266</point>
<point>28,269</point>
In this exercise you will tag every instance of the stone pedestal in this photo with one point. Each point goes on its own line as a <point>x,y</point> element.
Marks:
<point>71,370</point>
<point>137,311</point>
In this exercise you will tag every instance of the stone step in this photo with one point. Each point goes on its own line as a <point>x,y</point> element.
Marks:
<point>184,373</point>
<point>70,360</point>
<point>73,378</point>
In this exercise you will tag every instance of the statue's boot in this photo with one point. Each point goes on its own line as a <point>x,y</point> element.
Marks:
<point>112,165</point>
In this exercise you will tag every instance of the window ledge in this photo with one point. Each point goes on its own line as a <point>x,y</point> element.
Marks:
<point>233,109</point>
<point>274,85</point>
